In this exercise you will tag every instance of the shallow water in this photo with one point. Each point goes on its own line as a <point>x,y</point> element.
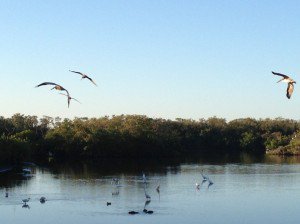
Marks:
<point>265,191</point>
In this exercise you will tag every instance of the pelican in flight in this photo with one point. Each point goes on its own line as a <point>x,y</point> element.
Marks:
<point>56,86</point>
<point>289,81</point>
<point>69,98</point>
<point>84,76</point>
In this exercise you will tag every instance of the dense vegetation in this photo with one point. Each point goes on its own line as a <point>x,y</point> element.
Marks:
<point>32,138</point>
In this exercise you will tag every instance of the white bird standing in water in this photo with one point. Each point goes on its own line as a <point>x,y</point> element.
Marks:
<point>25,200</point>
<point>144,179</point>
<point>209,183</point>
<point>148,198</point>
<point>205,178</point>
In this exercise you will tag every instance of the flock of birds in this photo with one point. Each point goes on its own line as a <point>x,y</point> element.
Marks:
<point>116,183</point>
<point>285,78</point>
<point>205,179</point>
<point>60,88</point>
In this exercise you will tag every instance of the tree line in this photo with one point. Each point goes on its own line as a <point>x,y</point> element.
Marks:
<point>24,138</point>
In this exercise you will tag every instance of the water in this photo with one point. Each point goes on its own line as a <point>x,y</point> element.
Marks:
<point>244,191</point>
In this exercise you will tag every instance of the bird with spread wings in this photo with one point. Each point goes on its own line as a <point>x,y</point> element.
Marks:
<point>56,86</point>
<point>290,82</point>
<point>69,98</point>
<point>84,76</point>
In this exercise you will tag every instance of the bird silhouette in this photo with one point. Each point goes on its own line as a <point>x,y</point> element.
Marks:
<point>25,200</point>
<point>148,198</point>
<point>290,82</point>
<point>84,76</point>
<point>158,188</point>
<point>209,183</point>
<point>69,98</point>
<point>56,86</point>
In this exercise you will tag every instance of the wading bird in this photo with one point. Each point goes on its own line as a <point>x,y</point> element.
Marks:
<point>144,179</point>
<point>84,76</point>
<point>56,86</point>
<point>25,206</point>
<point>205,178</point>
<point>209,183</point>
<point>148,198</point>
<point>145,210</point>
<point>69,98</point>
<point>289,81</point>
<point>158,189</point>
<point>25,200</point>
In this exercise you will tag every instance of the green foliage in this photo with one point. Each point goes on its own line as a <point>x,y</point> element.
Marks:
<point>25,137</point>
<point>13,149</point>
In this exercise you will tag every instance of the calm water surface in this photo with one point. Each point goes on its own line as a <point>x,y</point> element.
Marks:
<point>245,191</point>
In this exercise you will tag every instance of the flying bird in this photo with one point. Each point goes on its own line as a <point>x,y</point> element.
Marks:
<point>290,87</point>
<point>84,76</point>
<point>69,98</point>
<point>56,86</point>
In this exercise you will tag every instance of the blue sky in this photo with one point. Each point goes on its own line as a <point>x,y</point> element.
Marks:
<point>188,59</point>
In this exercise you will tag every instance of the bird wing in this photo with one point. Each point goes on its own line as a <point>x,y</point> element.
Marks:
<point>77,72</point>
<point>289,90</point>
<point>68,97</point>
<point>66,91</point>
<point>282,75</point>
<point>46,83</point>
<point>75,99</point>
<point>91,80</point>
<point>63,94</point>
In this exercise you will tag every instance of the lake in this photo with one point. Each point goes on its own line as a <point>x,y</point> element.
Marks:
<point>244,190</point>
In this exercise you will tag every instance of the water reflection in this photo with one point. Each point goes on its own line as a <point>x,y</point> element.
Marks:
<point>84,193</point>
